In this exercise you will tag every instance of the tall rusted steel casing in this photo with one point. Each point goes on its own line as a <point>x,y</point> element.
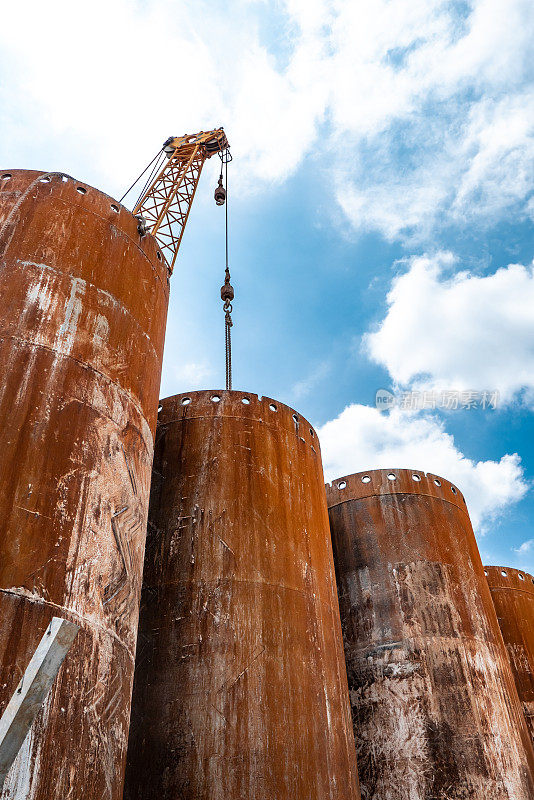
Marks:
<point>83,303</point>
<point>512,592</point>
<point>435,710</point>
<point>240,688</point>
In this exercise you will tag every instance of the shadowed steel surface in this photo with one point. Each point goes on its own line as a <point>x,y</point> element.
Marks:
<point>240,689</point>
<point>435,711</point>
<point>512,591</point>
<point>83,304</point>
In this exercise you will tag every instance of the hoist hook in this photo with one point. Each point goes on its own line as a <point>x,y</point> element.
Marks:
<point>220,192</point>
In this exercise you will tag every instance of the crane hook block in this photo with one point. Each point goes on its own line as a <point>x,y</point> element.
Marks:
<point>220,193</point>
<point>227,292</point>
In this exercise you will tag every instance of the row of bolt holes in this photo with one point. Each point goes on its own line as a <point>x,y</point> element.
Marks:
<point>504,574</point>
<point>393,477</point>
<point>81,189</point>
<point>246,401</point>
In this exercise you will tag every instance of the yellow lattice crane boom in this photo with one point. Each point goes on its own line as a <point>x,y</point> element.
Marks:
<point>164,204</point>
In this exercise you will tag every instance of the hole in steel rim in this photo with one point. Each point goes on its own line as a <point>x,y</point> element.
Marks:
<point>215,398</point>
<point>45,179</point>
<point>366,479</point>
<point>186,401</point>
<point>503,572</point>
<point>391,476</point>
<point>114,208</point>
<point>302,439</point>
<point>295,418</point>
<point>158,255</point>
<point>6,176</point>
<point>342,484</point>
<point>453,490</point>
<point>438,483</point>
<point>312,434</point>
<point>81,190</point>
<point>64,178</point>
<point>313,448</point>
<point>485,572</point>
<point>273,407</point>
<point>521,577</point>
<point>245,401</point>
<point>416,477</point>
<point>159,408</point>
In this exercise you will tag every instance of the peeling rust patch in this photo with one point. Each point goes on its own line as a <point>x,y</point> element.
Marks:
<point>435,712</point>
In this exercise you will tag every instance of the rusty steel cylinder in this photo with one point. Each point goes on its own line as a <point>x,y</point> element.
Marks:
<point>435,711</point>
<point>240,688</point>
<point>512,592</point>
<point>83,304</point>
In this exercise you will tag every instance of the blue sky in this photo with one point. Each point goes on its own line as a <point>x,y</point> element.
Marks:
<point>380,199</point>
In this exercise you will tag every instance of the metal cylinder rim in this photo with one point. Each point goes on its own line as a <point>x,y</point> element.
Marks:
<point>239,404</point>
<point>379,482</point>
<point>100,203</point>
<point>510,580</point>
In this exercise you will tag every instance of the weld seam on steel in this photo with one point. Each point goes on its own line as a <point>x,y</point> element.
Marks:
<point>269,425</point>
<point>83,365</point>
<point>388,494</point>
<point>87,622</point>
<point>120,230</point>
<point>223,581</point>
<point>98,291</point>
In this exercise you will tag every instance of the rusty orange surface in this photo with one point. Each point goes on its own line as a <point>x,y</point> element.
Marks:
<point>240,689</point>
<point>435,709</point>
<point>512,592</point>
<point>83,303</point>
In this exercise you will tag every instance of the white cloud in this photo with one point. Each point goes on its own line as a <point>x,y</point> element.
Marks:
<point>525,547</point>
<point>303,387</point>
<point>415,108</point>
<point>363,438</point>
<point>461,331</point>
<point>186,377</point>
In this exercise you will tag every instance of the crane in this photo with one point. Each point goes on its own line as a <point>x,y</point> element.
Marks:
<point>163,206</point>
<point>165,201</point>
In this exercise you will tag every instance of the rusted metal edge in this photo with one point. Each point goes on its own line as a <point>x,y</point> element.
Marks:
<point>96,204</point>
<point>355,487</point>
<point>511,579</point>
<point>263,409</point>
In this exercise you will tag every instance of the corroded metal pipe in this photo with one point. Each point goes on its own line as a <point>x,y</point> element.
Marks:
<point>435,709</point>
<point>512,592</point>
<point>240,687</point>
<point>83,303</point>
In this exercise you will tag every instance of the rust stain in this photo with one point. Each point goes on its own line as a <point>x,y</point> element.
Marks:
<point>435,711</point>
<point>512,592</point>
<point>82,321</point>
<point>240,688</point>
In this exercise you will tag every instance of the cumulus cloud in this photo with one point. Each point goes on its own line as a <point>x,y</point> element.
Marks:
<point>459,331</point>
<point>363,438</point>
<point>415,108</point>
<point>525,547</point>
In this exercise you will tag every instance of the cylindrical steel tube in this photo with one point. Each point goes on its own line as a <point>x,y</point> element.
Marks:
<point>240,687</point>
<point>512,592</point>
<point>435,710</point>
<point>83,304</point>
